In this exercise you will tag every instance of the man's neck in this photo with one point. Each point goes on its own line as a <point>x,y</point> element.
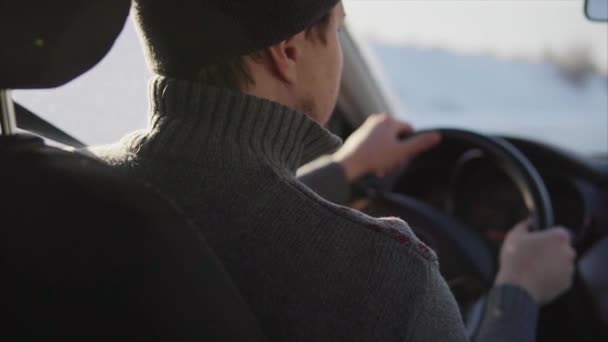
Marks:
<point>267,86</point>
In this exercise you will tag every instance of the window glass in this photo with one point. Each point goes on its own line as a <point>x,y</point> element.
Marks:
<point>102,105</point>
<point>536,69</point>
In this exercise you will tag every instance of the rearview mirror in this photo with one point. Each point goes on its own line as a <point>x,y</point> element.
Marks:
<point>596,10</point>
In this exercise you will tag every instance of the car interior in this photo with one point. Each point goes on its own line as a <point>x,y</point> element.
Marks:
<point>94,255</point>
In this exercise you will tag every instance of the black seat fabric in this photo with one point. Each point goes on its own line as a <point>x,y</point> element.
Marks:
<point>47,43</point>
<point>88,255</point>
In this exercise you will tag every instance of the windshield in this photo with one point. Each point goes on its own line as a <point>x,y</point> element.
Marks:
<point>533,69</point>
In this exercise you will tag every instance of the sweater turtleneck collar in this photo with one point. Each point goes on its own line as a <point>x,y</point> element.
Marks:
<point>193,120</point>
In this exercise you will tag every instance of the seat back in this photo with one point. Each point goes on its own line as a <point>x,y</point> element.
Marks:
<point>87,254</point>
<point>92,256</point>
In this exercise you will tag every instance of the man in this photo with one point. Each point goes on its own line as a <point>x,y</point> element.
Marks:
<point>243,90</point>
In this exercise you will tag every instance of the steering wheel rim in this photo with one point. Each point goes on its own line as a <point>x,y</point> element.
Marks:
<point>516,166</point>
<point>499,151</point>
<point>503,154</point>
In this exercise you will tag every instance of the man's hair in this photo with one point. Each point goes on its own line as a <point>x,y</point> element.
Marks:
<point>234,74</point>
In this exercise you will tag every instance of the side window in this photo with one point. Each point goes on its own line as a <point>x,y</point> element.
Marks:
<point>105,103</point>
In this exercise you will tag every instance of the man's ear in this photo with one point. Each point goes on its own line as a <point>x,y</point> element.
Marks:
<point>284,58</point>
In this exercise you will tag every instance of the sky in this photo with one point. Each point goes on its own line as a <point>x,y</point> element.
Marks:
<point>524,29</point>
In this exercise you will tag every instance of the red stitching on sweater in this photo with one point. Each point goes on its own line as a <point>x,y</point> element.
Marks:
<point>424,250</point>
<point>395,228</point>
<point>401,237</point>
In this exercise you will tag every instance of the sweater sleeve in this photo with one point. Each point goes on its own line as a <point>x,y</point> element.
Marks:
<point>437,316</point>
<point>327,179</point>
<point>510,315</point>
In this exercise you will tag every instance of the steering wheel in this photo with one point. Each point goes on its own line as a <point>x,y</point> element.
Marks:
<point>515,165</point>
<point>427,221</point>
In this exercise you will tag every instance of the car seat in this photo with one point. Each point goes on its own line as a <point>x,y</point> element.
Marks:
<point>85,253</point>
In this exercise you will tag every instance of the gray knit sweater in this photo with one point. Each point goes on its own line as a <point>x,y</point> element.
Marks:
<point>510,314</point>
<point>310,270</point>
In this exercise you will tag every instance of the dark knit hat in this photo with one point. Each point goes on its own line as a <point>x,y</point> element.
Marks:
<point>183,36</point>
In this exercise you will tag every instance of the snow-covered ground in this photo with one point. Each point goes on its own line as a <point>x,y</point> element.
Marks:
<point>493,95</point>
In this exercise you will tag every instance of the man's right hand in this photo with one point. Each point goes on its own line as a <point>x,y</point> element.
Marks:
<point>541,262</point>
<point>378,147</point>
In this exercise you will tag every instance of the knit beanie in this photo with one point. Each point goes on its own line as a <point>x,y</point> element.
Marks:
<point>183,36</point>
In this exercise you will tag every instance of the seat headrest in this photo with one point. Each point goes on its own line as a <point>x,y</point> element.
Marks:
<point>47,43</point>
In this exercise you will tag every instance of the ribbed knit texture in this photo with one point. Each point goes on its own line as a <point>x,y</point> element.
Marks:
<point>327,179</point>
<point>309,269</point>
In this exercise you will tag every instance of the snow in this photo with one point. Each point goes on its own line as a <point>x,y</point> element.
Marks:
<point>441,88</point>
